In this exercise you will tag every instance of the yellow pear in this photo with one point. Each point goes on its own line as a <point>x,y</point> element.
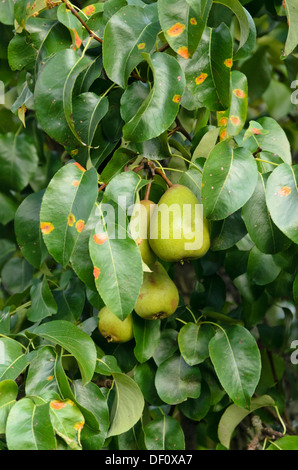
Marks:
<point>178,229</point>
<point>158,296</point>
<point>140,224</point>
<point>114,329</point>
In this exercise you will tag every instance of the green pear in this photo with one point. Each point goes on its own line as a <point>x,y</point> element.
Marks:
<point>158,296</point>
<point>114,329</point>
<point>140,226</point>
<point>178,229</point>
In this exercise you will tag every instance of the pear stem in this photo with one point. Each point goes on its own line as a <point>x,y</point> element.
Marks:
<point>147,194</point>
<point>163,175</point>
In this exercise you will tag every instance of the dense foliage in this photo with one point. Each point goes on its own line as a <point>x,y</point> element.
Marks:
<point>109,103</point>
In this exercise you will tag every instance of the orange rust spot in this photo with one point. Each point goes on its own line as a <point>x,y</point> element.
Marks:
<point>46,227</point>
<point>176,30</point>
<point>141,45</point>
<point>79,166</point>
<point>74,152</point>
<point>78,40</point>
<point>223,121</point>
<point>201,78</point>
<point>228,63</point>
<point>71,219</point>
<point>75,183</point>
<point>239,93</point>
<point>235,120</point>
<point>80,225</point>
<point>285,191</point>
<point>139,241</point>
<point>256,131</point>
<point>50,377</point>
<point>183,51</point>
<point>176,98</point>
<point>57,404</point>
<point>193,21</point>
<point>223,135</point>
<point>79,426</point>
<point>96,272</point>
<point>100,238</point>
<point>89,10</point>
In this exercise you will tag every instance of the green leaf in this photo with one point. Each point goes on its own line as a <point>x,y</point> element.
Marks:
<point>61,229</point>
<point>167,346</point>
<point>164,433</point>
<point>27,229</point>
<point>236,359</point>
<point>176,381</point>
<point>226,233</point>
<point>117,264</point>
<point>233,416</point>
<point>183,23</point>
<point>197,408</point>
<point>88,111</point>
<point>127,406</point>
<point>193,342</point>
<point>70,300</point>
<point>18,160</point>
<point>121,157</point>
<point>42,301</point>
<point>147,335</point>
<point>29,427</point>
<point>240,13</point>
<point>67,421</point>
<point>8,207</point>
<point>208,72</point>
<point>128,33</point>
<point>7,12</point>
<point>144,375</point>
<point>292,39</point>
<point>73,340</point>
<point>17,275</point>
<point>229,180</point>
<point>41,379</point>
<point>282,199</point>
<point>93,404</point>
<point>160,108</point>
<point>8,394</point>
<point>295,290</point>
<point>285,443</point>
<point>262,230</point>
<point>21,53</point>
<point>262,268</point>
<point>53,96</point>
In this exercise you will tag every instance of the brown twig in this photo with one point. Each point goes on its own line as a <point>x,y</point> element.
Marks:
<point>163,48</point>
<point>75,13</point>
<point>255,154</point>
<point>102,187</point>
<point>164,176</point>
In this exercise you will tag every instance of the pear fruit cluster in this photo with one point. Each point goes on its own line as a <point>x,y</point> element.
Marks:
<point>157,240</point>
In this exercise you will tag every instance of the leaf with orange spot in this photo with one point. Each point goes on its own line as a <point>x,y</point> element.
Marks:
<point>81,197</point>
<point>67,421</point>
<point>77,39</point>
<point>121,271</point>
<point>282,199</point>
<point>207,78</point>
<point>183,23</point>
<point>176,30</point>
<point>129,32</point>
<point>148,122</point>
<point>89,10</point>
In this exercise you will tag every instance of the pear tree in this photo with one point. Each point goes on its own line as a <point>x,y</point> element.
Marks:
<point>149,226</point>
